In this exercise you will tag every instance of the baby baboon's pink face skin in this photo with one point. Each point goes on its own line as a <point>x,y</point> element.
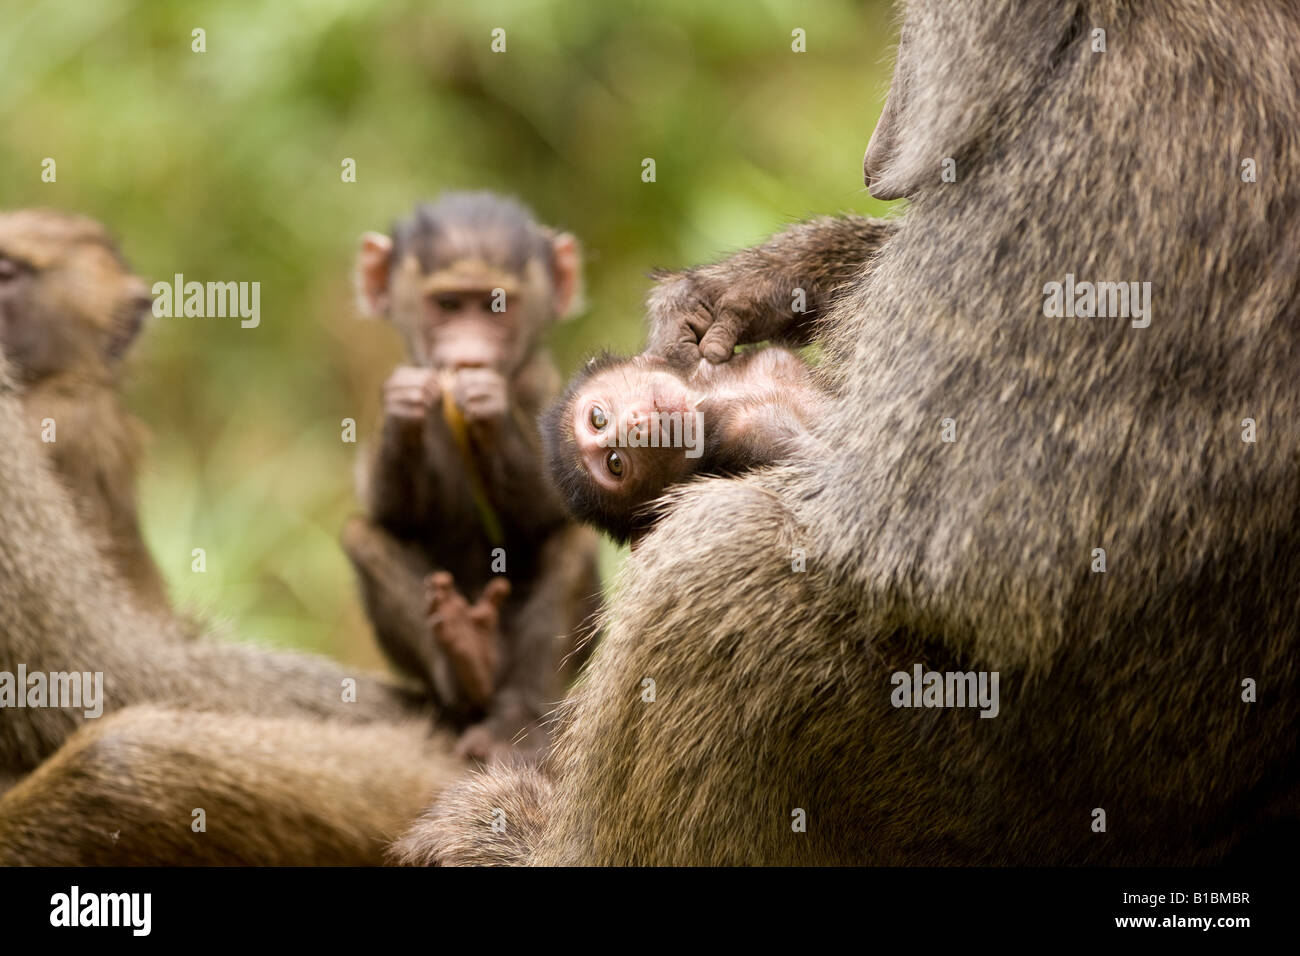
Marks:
<point>615,404</point>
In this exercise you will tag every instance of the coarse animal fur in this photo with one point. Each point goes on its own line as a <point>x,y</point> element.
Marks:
<point>1120,690</point>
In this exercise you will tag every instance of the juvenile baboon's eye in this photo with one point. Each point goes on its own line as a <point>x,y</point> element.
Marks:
<point>449,303</point>
<point>598,418</point>
<point>8,269</point>
<point>614,462</point>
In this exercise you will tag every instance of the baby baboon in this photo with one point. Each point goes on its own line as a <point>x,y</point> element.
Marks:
<point>69,310</point>
<point>629,428</point>
<point>985,460</point>
<point>455,483</point>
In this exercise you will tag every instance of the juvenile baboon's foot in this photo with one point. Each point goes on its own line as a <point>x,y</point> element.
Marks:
<point>484,742</point>
<point>468,634</point>
<point>502,738</point>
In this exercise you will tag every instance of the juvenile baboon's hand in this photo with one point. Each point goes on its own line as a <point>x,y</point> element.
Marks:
<point>410,392</point>
<point>693,317</point>
<point>470,636</point>
<point>482,394</point>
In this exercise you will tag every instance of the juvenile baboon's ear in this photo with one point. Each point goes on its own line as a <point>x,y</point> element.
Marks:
<point>568,275</point>
<point>374,261</point>
<point>958,76</point>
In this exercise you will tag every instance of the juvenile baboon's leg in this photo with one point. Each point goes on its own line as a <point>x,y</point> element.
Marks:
<point>392,577</point>
<point>469,635</point>
<point>549,634</point>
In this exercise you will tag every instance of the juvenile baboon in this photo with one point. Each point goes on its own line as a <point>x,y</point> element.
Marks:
<point>980,453</point>
<point>69,310</point>
<point>455,484</point>
<point>626,430</point>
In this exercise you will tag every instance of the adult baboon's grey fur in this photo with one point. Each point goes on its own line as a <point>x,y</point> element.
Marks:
<point>1120,690</point>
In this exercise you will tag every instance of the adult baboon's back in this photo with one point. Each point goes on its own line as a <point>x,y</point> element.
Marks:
<point>1119,690</point>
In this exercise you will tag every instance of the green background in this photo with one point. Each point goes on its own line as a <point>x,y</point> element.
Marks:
<point>225,165</point>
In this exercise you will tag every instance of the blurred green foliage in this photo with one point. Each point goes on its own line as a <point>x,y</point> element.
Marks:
<point>225,165</point>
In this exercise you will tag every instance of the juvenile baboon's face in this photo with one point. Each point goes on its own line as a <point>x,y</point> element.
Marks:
<point>467,314</point>
<point>471,281</point>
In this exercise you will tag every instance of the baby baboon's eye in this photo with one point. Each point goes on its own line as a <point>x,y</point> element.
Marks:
<point>614,462</point>
<point>598,418</point>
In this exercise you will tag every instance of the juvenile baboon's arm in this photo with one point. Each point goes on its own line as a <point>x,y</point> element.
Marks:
<point>396,486</point>
<point>416,474</point>
<point>705,311</point>
<point>511,466</point>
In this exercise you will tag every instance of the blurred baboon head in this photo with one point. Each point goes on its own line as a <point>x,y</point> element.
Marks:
<point>67,297</point>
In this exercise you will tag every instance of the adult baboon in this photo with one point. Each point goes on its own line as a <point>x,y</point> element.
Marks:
<point>70,310</point>
<point>1121,690</point>
<point>242,733</point>
<point>150,785</point>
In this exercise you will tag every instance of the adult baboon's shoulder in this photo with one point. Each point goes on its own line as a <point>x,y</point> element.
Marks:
<point>1119,690</point>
